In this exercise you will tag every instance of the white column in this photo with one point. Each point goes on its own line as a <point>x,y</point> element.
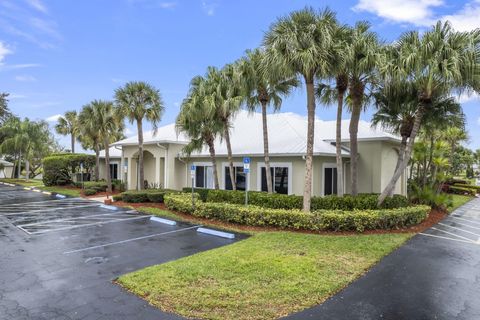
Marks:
<point>157,170</point>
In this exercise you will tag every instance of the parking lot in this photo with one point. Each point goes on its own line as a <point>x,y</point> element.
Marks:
<point>435,275</point>
<point>58,257</point>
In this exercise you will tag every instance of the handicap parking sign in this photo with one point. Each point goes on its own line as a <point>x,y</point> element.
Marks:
<point>192,170</point>
<point>246,165</point>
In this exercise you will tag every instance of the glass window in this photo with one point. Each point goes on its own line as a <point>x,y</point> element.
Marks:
<point>330,181</point>
<point>279,179</point>
<point>239,178</point>
<point>114,170</point>
<point>204,177</point>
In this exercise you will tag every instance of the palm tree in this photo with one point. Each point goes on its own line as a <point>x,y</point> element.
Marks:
<point>199,120</point>
<point>68,125</point>
<point>436,62</point>
<point>4,112</point>
<point>140,101</point>
<point>362,57</point>
<point>262,90</point>
<point>223,85</point>
<point>24,138</point>
<point>299,45</point>
<point>453,136</point>
<point>101,120</point>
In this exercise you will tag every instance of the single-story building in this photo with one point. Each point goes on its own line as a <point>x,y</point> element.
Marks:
<point>167,166</point>
<point>6,169</point>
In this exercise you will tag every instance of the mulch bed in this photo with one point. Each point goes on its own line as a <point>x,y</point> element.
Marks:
<point>434,217</point>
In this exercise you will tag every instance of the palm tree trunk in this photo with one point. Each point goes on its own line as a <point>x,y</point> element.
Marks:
<point>408,152</point>
<point>97,162</point>
<point>27,170</point>
<point>19,168</point>
<point>107,165</point>
<point>72,137</point>
<point>14,167</point>
<point>353,130</point>
<point>268,173</point>
<point>401,156</point>
<point>229,155</point>
<point>141,172</point>
<point>307,190</point>
<point>338,145</point>
<point>211,149</point>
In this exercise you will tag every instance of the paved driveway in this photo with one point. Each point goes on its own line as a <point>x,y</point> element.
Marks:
<point>58,256</point>
<point>436,275</point>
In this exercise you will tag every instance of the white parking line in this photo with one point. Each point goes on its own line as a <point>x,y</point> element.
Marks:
<point>466,225</point>
<point>466,220</point>
<point>446,238</point>
<point>130,240</point>
<point>453,234</point>
<point>48,210</point>
<point>73,219</point>
<point>27,203</point>
<point>85,225</point>
<point>456,228</point>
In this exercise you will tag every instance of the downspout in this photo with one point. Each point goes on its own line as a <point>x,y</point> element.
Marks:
<point>165,178</point>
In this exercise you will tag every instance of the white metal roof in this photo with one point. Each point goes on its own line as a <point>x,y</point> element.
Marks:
<point>6,163</point>
<point>286,133</point>
<point>112,152</point>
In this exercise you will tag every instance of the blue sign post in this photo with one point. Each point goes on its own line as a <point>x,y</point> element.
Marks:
<point>246,170</point>
<point>192,174</point>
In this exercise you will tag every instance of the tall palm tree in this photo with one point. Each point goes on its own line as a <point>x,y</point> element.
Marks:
<point>262,90</point>
<point>198,119</point>
<point>4,112</point>
<point>453,136</point>
<point>224,87</point>
<point>139,101</point>
<point>23,138</point>
<point>362,58</point>
<point>68,125</point>
<point>102,117</point>
<point>299,45</point>
<point>436,62</point>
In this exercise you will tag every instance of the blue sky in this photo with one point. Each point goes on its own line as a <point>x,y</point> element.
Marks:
<point>57,55</point>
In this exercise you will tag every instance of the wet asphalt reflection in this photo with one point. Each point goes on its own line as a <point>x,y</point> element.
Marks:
<point>58,257</point>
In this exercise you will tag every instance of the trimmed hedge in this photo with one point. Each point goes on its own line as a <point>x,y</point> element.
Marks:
<point>89,192</point>
<point>469,186</point>
<point>99,186</point>
<point>321,220</point>
<point>283,201</point>
<point>58,168</point>
<point>148,195</point>
<point>462,190</point>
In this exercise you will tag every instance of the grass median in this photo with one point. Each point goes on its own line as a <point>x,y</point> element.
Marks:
<point>266,276</point>
<point>68,191</point>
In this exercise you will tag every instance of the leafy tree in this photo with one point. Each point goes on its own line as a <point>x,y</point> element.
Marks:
<point>262,90</point>
<point>68,125</point>
<point>199,120</point>
<point>436,62</point>
<point>299,45</point>
<point>139,101</point>
<point>4,111</point>
<point>454,135</point>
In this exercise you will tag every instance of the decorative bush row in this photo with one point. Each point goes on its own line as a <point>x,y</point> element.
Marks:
<point>89,192</point>
<point>283,201</point>
<point>462,190</point>
<point>148,195</point>
<point>469,186</point>
<point>321,220</point>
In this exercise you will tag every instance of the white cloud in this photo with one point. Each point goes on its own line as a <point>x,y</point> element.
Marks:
<point>4,51</point>
<point>37,5</point>
<point>468,18</point>
<point>16,96</point>
<point>411,11</point>
<point>422,12</point>
<point>128,132</point>
<point>478,121</point>
<point>466,97</point>
<point>25,78</point>
<point>19,66</point>
<point>209,7</point>
<point>53,118</point>
<point>167,5</point>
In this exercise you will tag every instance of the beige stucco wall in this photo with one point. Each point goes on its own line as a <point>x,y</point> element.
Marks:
<point>164,167</point>
<point>102,171</point>
<point>6,172</point>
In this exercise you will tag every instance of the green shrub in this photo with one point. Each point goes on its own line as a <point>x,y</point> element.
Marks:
<point>334,220</point>
<point>147,195</point>
<point>89,192</point>
<point>58,168</point>
<point>462,190</point>
<point>117,197</point>
<point>469,186</point>
<point>100,186</point>
<point>202,192</point>
<point>283,201</point>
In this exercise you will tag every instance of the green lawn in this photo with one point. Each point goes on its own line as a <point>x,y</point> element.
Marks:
<point>39,184</point>
<point>458,200</point>
<point>266,276</point>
